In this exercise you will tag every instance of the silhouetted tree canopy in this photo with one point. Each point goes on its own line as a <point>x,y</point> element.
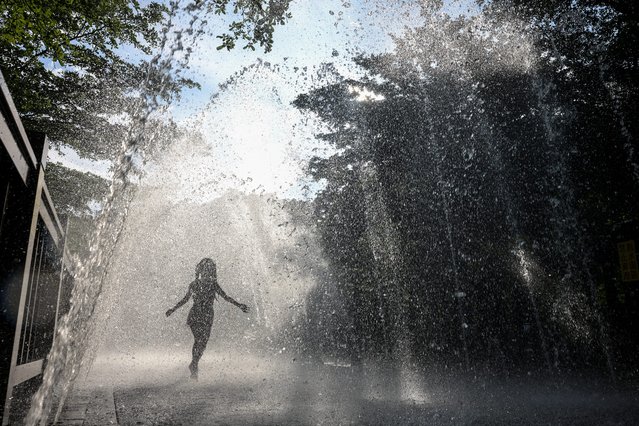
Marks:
<point>484,168</point>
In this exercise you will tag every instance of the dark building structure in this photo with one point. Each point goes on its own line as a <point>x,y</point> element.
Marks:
<point>31,261</point>
<point>622,292</point>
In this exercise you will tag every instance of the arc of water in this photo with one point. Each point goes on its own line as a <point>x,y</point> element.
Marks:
<point>544,90</point>
<point>513,224</point>
<point>456,280</point>
<point>257,254</point>
<point>435,151</point>
<point>384,241</point>
<point>75,328</point>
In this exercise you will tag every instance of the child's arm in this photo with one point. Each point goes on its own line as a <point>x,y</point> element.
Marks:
<point>180,303</point>
<point>229,299</point>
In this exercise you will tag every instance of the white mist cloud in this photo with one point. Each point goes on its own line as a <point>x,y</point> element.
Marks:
<point>250,138</point>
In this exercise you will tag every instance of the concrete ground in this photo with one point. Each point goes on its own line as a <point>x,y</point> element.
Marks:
<point>241,389</point>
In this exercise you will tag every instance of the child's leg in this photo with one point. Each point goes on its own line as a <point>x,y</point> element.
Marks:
<point>201,337</point>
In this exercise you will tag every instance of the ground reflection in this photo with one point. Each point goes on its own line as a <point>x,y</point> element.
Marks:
<point>244,388</point>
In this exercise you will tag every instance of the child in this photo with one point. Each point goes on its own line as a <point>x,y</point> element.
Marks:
<point>204,290</point>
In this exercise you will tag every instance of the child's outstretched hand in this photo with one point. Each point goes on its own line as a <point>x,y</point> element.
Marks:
<point>243,307</point>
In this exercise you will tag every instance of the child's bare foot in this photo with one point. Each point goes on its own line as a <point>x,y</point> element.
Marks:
<point>193,369</point>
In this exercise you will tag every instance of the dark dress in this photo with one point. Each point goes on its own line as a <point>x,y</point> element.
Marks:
<point>200,317</point>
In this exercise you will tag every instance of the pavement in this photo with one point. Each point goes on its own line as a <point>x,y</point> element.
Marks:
<point>245,389</point>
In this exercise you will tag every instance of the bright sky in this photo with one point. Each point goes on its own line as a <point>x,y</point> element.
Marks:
<point>320,31</point>
<point>253,139</point>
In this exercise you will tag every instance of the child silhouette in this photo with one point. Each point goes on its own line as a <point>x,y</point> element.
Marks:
<point>204,290</point>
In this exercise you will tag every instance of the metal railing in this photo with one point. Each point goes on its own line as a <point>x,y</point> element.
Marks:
<point>31,256</point>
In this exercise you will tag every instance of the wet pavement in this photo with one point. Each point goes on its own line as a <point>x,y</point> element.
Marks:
<point>243,389</point>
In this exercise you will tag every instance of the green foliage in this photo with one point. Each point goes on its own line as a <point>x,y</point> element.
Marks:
<point>74,104</point>
<point>59,29</point>
<point>63,63</point>
<point>257,22</point>
<point>73,191</point>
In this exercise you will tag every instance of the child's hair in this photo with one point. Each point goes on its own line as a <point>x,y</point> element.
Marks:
<point>204,265</point>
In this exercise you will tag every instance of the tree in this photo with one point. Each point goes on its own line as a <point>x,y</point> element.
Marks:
<point>591,61</point>
<point>483,150</point>
<point>77,195</point>
<point>89,100</point>
<point>75,103</point>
